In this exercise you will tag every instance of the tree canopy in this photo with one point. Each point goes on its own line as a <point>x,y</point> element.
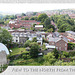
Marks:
<point>5,36</point>
<point>42,17</point>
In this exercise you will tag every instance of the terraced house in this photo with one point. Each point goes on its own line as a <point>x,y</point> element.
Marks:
<point>60,42</point>
<point>22,23</point>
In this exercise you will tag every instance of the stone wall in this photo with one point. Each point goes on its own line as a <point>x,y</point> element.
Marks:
<point>3,58</point>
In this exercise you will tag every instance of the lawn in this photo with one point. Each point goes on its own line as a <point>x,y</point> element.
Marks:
<point>16,51</point>
<point>27,62</point>
<point>20,61</point>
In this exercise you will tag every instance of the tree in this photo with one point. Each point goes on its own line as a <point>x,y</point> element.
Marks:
<point>26,18</point>
<point>32,18</point>
<point>59,23</point>
<point>34,39</point>
<point>49,58</point>
<point>5,36</point>
<point>50,30</point>
<point>56,53</point>
<point>71,46</point>
<point>23,14</point>
<point>73,28</point>
<point>1,21</point>
<point>27,43</point>
<point>34,49</point>
<point>34,13</point>
<point>42,16</point>
<point>65,27</point>
<point>66,54</point>
<point>47,22</point>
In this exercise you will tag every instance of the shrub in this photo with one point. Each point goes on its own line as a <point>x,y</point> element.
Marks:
<point>24,57</point>
<point>71,46</point>
<point>56,53</point>
<point>49,58</point>
<point>72,53</point>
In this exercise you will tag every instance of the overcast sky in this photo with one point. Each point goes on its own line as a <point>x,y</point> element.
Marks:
<point>24,7</point>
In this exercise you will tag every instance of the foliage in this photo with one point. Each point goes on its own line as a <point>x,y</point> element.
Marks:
<point>27,43</point>
<point>34,39</point>
<point>26,18</point>
<point>72,53</point>
<point>5,36</point>
<point>65,27</point>
<point>63,22</point>
<point>34,13</point>
<point>42,17</point>
<point>23,14</point>
<point>1,21</point>
<point>55,53</point>
<point>71,46</point>
<point>32,18</point>
<point>49,58</point>
<point>66,54</point>
<point>10,17</point>
<point>44,47</point>
<point>34,49</point>
<point>73,28</point>
<point>50,30</point>
<point>24,57</point>
<point>45,41</point>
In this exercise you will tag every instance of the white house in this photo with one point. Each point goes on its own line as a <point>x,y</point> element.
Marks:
<point>37,35</point>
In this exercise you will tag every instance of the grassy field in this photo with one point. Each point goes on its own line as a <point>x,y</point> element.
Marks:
<point>16,51</point>
<point>27,62</point>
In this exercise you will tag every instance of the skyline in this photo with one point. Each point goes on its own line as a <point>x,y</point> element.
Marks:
<point>30,7</point>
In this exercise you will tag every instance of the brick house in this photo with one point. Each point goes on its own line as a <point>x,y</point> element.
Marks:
<point>61,43</point>
<point>23,23</point>
<point>70,35</point>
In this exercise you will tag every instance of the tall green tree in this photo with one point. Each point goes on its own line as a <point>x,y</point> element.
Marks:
<point>56,53</point>
<point>42,16</point>
<point>5,36</point>
<point>34,49</point>
<point>65,27</point>
<point>26,18</point>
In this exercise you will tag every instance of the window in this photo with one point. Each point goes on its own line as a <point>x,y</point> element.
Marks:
<point>59,48</point>
<point>16,40</point>
<point>65,44</point>
<point>56,47</point>
<point>53,43</point>
<point>65,48</point>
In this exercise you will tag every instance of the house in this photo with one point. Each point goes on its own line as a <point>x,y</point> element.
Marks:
<point>37,35</point>
<point>39,27</point>
<point>5,27</point>
<point>3,54</point>
<point>58,41</point>
<point>23,23</point>
<point>70,36</point>
<point>72,15</point>
<point>19,37</point>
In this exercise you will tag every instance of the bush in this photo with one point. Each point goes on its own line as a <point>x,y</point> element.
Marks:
<point>66,54</point>
<point>27,43</point>
<point>71,46</point>
<point>49,58</point>
<point>72,53</point>
<point>24,57</point>
<point>55,53</point>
